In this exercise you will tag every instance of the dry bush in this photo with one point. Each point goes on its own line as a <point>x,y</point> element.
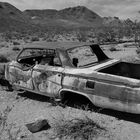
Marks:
<point>35,38</point>
<point>16,43</point>
<point>112,49</point>
<point>138,51</point>
<point>3,59</point>
<point>125,45</point>
<point>16,48</point>
<point>78,128</point>
<point>2,45</point>
<point>129,45</point>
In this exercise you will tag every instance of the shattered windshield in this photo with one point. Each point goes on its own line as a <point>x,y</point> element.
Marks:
<point>83,56</point>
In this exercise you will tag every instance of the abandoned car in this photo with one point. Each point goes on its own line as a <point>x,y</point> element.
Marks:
<point>83,70</point>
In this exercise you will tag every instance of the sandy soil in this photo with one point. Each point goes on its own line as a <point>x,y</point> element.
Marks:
<point>24,108</point>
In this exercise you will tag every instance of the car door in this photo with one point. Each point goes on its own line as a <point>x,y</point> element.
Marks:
<point>19,76</point>
<point>47,79</point>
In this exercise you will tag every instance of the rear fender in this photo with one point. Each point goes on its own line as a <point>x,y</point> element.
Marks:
<point>64,91</point>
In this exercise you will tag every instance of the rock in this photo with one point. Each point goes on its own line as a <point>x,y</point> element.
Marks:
<point>38,126</point>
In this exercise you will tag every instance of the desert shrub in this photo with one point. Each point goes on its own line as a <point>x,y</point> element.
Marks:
<point>35,38</point>
<point>3,59</point>
<point>138,51</point>
<point>2,45</point>
<point>27,37</point>
<point>113,49</point>
<point>12,13</point>
<point>49,39</point>
<point>78,128</point>
<point>128,45</point>
<point>16,48</point>
<point>125,45</point>
<point>81,37</point>
<point>16,43</point>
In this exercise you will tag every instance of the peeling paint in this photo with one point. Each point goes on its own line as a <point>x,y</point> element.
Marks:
<point>19,77</point>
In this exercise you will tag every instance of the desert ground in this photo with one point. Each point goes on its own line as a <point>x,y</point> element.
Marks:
<point>20,108</point>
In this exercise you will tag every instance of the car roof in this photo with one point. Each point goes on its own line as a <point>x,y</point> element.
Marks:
<point>54,45</point>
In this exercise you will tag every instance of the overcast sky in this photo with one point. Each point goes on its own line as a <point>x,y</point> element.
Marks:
<point>120,8</point>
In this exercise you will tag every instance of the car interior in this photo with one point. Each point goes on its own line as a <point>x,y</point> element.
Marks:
<point>45,59</point>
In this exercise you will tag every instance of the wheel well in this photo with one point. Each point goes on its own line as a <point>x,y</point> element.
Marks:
<point>75,97</point>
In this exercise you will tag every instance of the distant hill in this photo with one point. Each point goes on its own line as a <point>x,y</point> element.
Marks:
<point>12,18</point>
<point>79,16</point>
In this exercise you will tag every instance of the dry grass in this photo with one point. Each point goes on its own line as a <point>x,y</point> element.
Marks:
<point>76,125</point>
<point>78,129</point>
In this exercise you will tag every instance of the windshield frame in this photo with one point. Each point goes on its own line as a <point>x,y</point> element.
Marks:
<point>24,49</point>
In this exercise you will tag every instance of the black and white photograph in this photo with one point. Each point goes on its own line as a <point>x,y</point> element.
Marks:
<point>69,70</point>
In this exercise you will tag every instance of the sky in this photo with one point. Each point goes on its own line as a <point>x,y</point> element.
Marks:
<point>119,8</point>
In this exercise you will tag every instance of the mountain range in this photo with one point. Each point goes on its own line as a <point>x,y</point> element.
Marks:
<point>79,16</point>
<point>12,18</point>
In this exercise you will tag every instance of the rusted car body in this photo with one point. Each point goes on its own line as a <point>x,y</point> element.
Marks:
<point>81,70</point>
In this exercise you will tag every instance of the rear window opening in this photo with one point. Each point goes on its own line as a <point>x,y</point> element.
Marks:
<point>123,69</point>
